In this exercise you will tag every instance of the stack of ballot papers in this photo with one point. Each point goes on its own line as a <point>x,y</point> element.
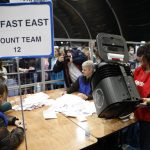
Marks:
<point>70,105</point>
<point>34,101</point>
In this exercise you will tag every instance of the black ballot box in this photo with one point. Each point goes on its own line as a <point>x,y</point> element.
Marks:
<point>114,91</point>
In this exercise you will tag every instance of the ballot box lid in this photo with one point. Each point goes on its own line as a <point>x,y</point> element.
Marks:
<point>112,48</point>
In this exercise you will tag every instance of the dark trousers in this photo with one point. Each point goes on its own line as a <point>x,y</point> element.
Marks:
<point>145,135</point>
<point>130,136</point>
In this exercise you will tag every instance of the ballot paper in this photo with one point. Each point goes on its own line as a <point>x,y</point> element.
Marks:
<point>73,106</point>
<point>81,118</point>
<point>34,101</point>
<point>49,114</point>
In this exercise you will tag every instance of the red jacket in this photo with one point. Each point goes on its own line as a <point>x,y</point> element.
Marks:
<point>142,80</point>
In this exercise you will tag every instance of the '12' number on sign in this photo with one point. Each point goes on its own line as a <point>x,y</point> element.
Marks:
<point>17,49</point>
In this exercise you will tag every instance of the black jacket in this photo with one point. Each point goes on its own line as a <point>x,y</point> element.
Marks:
<point>10,140</point>
<point>78,59</point>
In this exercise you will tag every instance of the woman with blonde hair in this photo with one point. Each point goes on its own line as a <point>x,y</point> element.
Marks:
<point>82,84</point>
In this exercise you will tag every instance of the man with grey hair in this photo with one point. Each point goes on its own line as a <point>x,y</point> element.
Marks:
<point>82,84</point>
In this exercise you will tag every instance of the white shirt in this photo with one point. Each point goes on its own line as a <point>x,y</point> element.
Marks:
<point>4,72</point>
<point>74,72</point>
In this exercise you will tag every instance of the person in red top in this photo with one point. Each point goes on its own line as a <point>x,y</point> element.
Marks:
<point>142,73</point>
<point>142,81</point>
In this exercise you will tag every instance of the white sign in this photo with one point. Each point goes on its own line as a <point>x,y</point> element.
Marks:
<point>26,29</point>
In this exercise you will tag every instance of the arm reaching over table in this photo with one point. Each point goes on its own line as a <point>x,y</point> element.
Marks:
<point>9,140</point>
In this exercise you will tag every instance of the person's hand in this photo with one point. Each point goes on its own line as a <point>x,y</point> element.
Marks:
<point>19,123</point>
<point>146,99</point>
<point>25,70</point>
<point>63,93</point>
<point>61,58</point>
<point>31,68</point>
<point>83,96</point>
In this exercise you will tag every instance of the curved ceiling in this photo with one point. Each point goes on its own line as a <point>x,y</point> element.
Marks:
<point>84,19</point>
